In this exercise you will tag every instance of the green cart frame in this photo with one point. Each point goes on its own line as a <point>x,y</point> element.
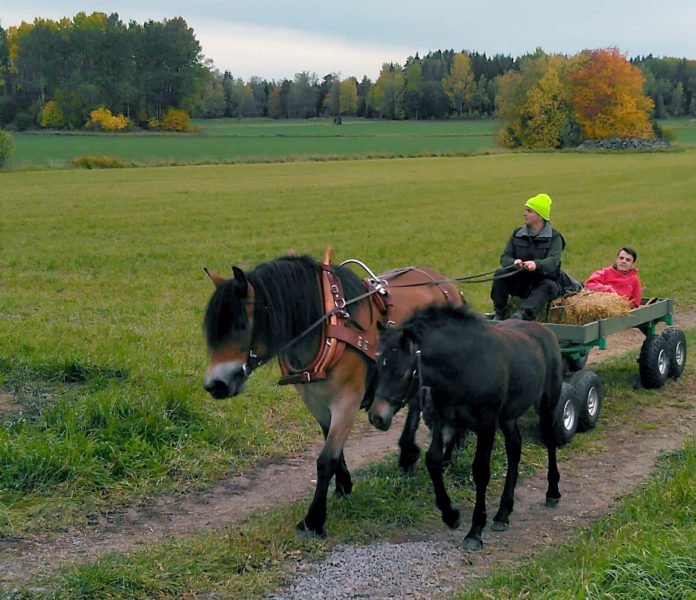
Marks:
<point>661,356</point>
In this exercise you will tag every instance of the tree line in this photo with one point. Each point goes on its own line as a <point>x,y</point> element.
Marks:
<point>80,64</point>
<point>58,72</point>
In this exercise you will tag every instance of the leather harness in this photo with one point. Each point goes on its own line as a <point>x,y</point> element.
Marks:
<point>339,328</point>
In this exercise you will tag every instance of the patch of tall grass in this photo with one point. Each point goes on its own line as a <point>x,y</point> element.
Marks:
<point>644,549</point>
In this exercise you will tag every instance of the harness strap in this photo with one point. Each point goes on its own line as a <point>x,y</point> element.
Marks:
<point>384,303</point>
<point>334,334</point>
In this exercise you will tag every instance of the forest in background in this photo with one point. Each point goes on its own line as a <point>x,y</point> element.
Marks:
<point>55,74</point>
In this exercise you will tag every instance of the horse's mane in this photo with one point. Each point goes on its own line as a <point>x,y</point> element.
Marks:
<point>431,316</point>
<point>286,301</point>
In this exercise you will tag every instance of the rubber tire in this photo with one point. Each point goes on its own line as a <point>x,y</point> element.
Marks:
<point>675,342</point>
<point>573,364</point>
<point>565,416</point>
<point>653,363</point>
<point>588,388</point>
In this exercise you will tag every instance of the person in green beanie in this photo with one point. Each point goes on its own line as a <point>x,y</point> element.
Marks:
<point>535,251</point>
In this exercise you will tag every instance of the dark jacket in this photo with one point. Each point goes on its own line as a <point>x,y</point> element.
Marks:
<point>544,249</point>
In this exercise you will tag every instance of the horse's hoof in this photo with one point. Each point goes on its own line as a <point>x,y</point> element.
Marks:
<point>408,460</point>
<point>552,502</point>
<point>408,469</point>
<point>304,532</point>
<point>343,491</point>
<point>499,526</point>
<point>451,518</point>
<point>471,543</point>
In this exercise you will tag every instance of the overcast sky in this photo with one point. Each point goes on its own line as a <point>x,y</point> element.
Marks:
<point>275,39</point>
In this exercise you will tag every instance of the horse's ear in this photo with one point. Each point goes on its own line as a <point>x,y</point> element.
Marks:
<point>218,280</point>
<point>241,279</point>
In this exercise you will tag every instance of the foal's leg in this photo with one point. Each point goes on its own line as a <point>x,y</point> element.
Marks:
<point>482,475</point>
<point>513,450</point>
<point>434,461</point>
<point>407,442</point>
<point>553,494</point>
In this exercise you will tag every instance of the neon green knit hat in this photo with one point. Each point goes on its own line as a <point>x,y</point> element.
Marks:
<point>541,205</point>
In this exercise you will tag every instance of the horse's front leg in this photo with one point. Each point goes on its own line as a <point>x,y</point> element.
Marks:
<point>513,450</point>
<point>407,442</point>
<point>434,461</point>
<point>482,473</point>
<point>336,419</point>
<point>344,482</point>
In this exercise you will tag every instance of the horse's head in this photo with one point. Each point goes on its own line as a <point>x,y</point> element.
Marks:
<point>228,326</point>
<point>397,376</point>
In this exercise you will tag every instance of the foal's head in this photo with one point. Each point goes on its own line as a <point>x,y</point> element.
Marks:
<point>228,326</point>
<point>397,375</point>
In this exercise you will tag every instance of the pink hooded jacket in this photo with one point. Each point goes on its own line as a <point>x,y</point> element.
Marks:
<point>610,279</point>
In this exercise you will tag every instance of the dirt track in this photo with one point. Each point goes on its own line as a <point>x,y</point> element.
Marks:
<point>590,486</point>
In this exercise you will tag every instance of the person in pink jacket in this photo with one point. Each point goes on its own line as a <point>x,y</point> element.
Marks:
<point>621,277</point>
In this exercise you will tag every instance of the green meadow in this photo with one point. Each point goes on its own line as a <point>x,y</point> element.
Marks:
<point>102,296</point>
<point>260,140</point>
<point>266,140</point>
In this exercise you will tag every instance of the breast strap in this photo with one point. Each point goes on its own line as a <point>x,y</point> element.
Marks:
<point>335,333</point>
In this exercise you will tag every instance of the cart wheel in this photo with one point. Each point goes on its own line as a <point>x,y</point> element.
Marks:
<point>565,417</point>
<point>653,363</point>
<point>576,364</point>
<point>588,388</point>
<point>675,343</point>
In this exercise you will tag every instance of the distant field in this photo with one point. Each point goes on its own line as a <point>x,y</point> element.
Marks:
<point>258,140</point>
<point>685,129</point>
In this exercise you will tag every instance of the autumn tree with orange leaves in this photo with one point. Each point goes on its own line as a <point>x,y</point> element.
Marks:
<point>607,96</point>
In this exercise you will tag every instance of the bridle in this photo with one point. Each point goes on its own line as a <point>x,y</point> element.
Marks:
<point>415,385</point>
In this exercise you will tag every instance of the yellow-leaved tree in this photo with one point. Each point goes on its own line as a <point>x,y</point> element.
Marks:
<point>101,118</point>
<point>607,96</point>
<point>459,84</point>
<point>387,95</point>
<point>533,103</point>
<point>52,116</point>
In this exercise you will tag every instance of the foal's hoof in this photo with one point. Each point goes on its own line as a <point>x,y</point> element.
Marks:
<point>552,502</point>
<point>408,459</point>
<point>499,526</point>
<point>408,468</point>
<point>451,518</point>
<point>343,490</point>
<point>305,532</point>
<point>471,543</point>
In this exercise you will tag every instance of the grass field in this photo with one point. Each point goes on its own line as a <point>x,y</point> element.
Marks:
<point>103,294</point>
<point>265,140</point>
<point>257,140</point>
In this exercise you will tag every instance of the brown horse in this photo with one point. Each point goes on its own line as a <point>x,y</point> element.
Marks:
<point>323,318</point>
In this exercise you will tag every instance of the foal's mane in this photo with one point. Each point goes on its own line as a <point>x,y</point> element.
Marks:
<point>286,301</point>
<point>431,316</point>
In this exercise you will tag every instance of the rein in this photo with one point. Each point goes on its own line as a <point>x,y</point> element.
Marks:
<point>255,361</point>
<point>478,278</point>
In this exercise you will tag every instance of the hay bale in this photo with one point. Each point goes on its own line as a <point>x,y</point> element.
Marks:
<point>587,306</point>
